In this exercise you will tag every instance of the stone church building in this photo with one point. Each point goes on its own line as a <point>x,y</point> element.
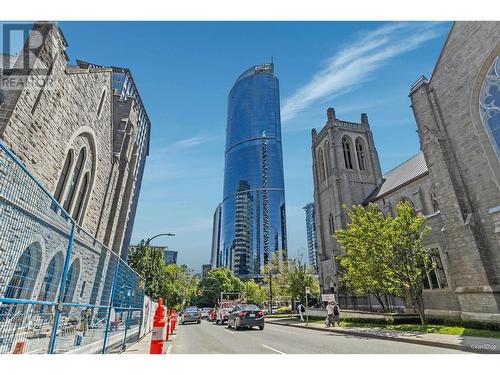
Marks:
<point>454,181</point>
<point>83,133</point>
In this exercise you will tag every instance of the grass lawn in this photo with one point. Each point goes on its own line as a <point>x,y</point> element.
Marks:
<point>429,328</point>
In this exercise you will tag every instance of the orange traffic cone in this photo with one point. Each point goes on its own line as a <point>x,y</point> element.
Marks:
<point>158,333</point>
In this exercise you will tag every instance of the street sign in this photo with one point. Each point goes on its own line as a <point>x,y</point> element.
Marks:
<point>328,297</point>
<point>308,290</point>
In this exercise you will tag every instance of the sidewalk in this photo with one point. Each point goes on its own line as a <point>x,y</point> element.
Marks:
<point>142,346</point>
<point>465,343</point>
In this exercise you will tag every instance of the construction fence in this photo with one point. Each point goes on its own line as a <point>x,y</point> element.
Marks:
<point>61,290</point>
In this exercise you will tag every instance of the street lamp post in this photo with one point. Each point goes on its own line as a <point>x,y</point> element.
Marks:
<point>158,235</point>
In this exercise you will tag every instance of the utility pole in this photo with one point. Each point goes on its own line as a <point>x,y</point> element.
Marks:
<point>307,305</point>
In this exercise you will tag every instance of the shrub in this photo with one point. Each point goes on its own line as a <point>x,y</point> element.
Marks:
<point>283,310</point>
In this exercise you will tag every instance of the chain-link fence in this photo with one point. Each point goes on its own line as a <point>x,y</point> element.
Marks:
<point>61,290</point>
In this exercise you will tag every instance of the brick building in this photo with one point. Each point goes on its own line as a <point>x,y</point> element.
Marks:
<point>83,132</point>
<point>454,181</point>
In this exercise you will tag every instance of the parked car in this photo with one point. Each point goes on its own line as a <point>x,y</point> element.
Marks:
<point>244,315</point>
<point>212,315</point>
<point>191,314</point>
<point>204,312</point>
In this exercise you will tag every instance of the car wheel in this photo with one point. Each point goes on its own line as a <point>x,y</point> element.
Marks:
<point>261,328</point>
<point>235,325</point>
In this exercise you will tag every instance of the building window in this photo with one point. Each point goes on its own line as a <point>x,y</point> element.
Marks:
<point>360,153</point>
<point>23,280</point>
<point>436,279</point>
<point>489,104</point>
<point>434,202</point>
<point>331,225</point>
<point>346,148</point>
<point>101,102</point>
<point>409,201</point>
<point>321,165</point>
<point>82,291</point>
<point>78,210</point>
<point>72,278</point>
<point>74,180</point>
<point>327,158</point>
<point>63,179</point>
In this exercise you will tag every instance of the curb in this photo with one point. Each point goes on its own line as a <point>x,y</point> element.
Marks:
<point>400,339</point>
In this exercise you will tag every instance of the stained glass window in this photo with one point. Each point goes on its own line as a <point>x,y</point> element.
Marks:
<point>489,104</point>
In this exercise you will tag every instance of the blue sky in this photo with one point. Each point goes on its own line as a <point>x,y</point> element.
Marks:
<point>185,70</point>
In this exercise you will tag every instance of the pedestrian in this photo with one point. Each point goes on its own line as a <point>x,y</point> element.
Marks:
<point>301,309</point>
<point>329,314</point>
<point>336,314</point>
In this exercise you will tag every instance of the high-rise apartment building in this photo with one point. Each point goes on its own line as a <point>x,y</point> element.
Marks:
<point>253,222</point>
<point>312,241</point>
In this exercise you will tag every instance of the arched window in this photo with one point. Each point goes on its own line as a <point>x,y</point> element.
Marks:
<point>434,202</point>
<point>63,178</point>
<point>327,158</point>
<point>331,225</point>
<point>321,165</point>
<point>346,148</point>
<point>489,104</point>
<point>360,154</point>
<point>23,280</point>
<point>74,179</point>
<point>24,277</point>
<point>70,286</point>
<point>407,200</point>
<point>50,284</point>
<point>80,199</point>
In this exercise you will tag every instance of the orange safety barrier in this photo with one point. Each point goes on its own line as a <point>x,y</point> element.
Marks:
<point>158,333</point>
<point>174,313</point>
<point>168,322</point>
<point>20,347</point>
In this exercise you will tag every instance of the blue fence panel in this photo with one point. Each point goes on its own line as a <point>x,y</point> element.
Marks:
<point>57,291</point>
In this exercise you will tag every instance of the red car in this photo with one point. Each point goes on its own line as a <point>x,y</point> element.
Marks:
<point>212,315</point>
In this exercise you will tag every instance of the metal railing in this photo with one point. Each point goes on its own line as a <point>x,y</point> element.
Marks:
<point>61,290</point>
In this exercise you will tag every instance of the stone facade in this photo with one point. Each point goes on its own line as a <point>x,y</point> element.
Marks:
<point>454,182</point>
<point>464,165</point>
<point>84,135</point>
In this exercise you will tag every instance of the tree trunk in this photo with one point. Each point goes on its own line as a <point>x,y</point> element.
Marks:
<point>379,298</point>
<point>421,310</point>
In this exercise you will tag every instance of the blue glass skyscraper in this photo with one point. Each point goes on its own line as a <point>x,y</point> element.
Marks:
<point>253,224</point>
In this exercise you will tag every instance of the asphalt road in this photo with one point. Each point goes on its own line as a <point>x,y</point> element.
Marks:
<point>208,338</point>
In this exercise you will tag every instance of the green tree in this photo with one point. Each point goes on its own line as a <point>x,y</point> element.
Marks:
<point>148,262</point>
<point>368,253</point>
<point>276,278</point>
<point>385,255</point>
<point>298,278</point>
<point>254,292</point>
<point>171,282</point>
<point>411,262</point>
<point>179,285</point>
<point>216,281</point>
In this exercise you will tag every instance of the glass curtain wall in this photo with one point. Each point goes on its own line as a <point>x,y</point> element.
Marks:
<point>253,209</point>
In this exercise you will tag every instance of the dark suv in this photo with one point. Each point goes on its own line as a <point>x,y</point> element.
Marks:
<point>246,316</point>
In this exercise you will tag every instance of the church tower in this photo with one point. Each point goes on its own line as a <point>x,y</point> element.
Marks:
<point>346,170</point>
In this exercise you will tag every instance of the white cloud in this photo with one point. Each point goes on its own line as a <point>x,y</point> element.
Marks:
<point>185,144</point>
<point>353,65</point>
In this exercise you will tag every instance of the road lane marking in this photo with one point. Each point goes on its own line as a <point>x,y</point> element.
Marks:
<point>274,350</point>
<point>228,331</point>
